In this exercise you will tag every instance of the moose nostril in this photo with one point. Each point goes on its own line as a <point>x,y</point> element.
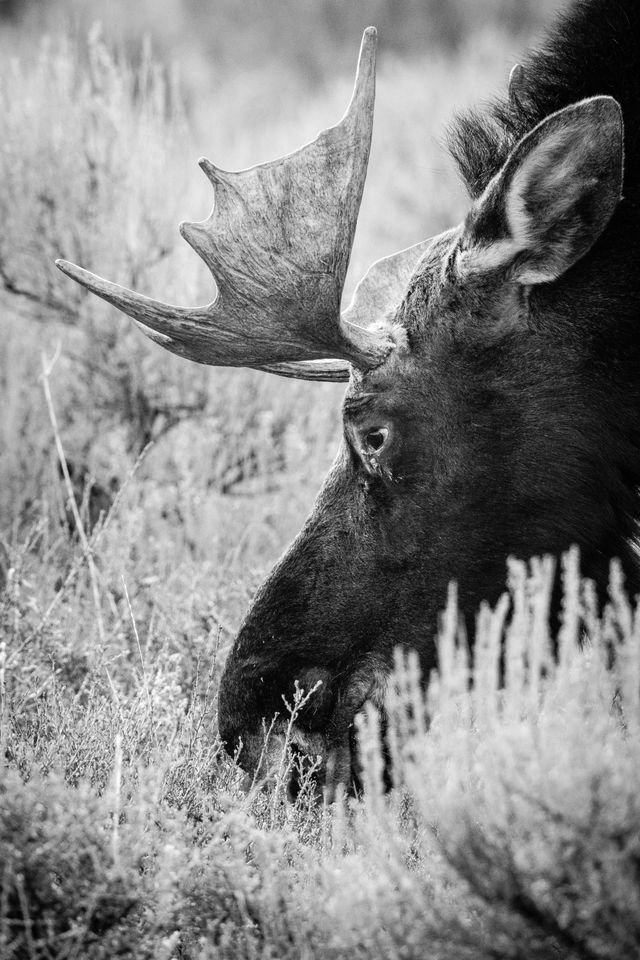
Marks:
<point>294,784</point>
<point>230,736</point>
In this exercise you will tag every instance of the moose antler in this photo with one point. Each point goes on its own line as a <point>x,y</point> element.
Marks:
<point>278,243</point>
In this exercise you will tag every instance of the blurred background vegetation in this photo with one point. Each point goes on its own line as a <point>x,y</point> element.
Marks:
<point>312,37</point>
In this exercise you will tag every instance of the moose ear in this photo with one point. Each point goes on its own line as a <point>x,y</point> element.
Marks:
<point>553,197</point>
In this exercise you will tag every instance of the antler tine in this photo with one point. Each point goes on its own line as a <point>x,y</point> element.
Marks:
<point>278,243</point>
<point>335,371</point>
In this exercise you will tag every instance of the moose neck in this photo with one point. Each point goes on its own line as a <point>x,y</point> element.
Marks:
<point>589,408</point>
<point>547,433</point>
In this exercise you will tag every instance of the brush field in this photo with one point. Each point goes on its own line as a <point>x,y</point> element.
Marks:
<point>513,827</point>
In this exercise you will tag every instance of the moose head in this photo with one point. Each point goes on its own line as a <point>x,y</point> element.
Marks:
<point>493,387</point>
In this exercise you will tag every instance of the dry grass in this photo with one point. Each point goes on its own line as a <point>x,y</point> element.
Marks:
<point>512,829</point>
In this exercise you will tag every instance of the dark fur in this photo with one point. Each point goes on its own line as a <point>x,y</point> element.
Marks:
<point>515,429</point>
<point>592,50</point>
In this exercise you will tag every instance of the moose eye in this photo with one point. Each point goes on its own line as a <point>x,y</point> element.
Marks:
<point>376,438</point>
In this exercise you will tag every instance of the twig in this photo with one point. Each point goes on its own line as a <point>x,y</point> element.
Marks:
<point>117,787</point>
<point>26,918</point>
<point>221,623</point>
<point>94,541</point>
<point>3,704</point>
<point>5,886</point>
<point>12,288</point>
<point>92,366</point>
<point>300,700</point>
<point>137,636</point>
<point>87,549</point>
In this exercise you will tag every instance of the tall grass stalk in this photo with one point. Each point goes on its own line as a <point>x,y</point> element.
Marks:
<point>86,546</point>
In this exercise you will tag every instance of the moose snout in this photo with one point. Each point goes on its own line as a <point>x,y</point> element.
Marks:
<point>283,754</point>
<point>294,722</point>
<point>264,712</point>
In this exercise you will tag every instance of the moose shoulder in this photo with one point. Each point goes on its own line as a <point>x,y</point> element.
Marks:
<point>494,372</point>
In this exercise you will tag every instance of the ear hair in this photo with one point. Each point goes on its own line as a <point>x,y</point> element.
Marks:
<point>553,197</point>
<point>516,82</point>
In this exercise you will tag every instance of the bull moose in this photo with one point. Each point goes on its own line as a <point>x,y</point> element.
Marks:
<point>494,370</point>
